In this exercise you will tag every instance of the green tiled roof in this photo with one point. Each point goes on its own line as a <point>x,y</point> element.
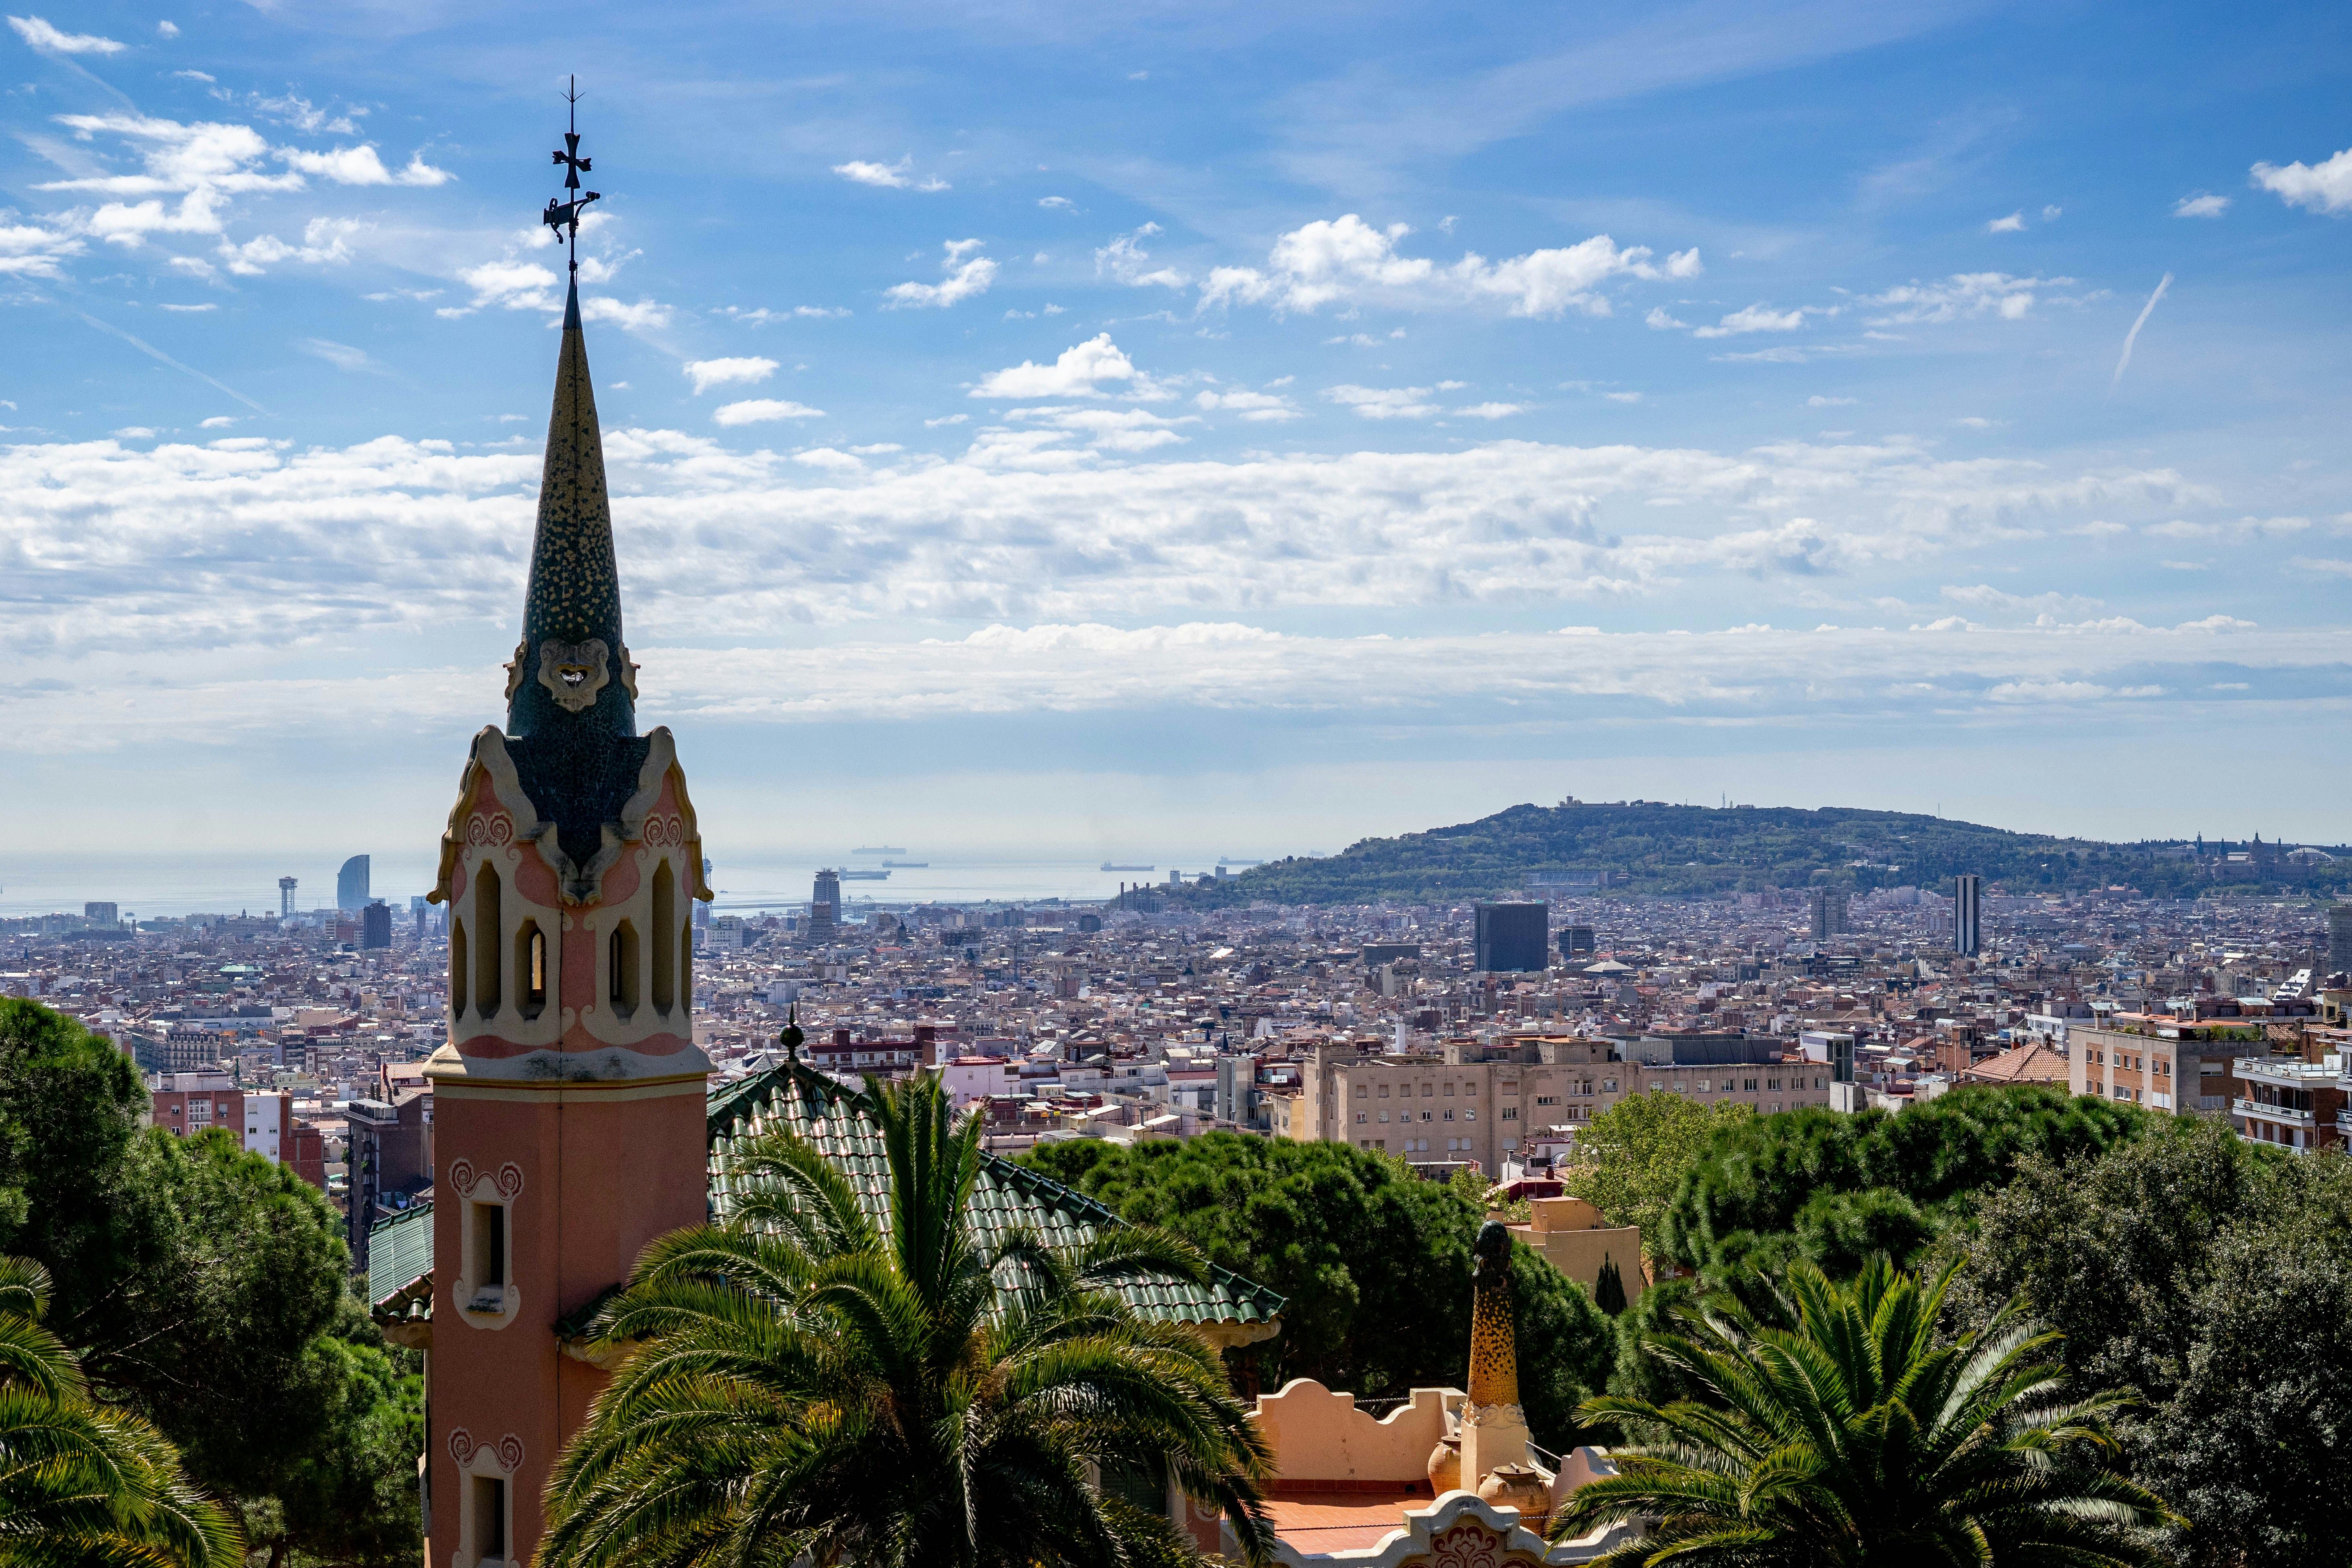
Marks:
<point>1007,1196</point>
<point>399,1265</point>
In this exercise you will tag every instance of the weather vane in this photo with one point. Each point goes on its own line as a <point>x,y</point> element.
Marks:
<point>564,216</point>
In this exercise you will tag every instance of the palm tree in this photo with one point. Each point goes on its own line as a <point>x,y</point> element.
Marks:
<point>894,1394</point>
<point>1857,1438</point>
<point>80,1483</point>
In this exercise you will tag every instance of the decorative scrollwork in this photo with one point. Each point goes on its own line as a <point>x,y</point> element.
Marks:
<point>664,830</point>
<point>461,1176</point>
<point>510,1453</point>
<point>509,1180</point>
<point>1468,1545</point>
<point>493,829</point>
<point>461,1447</point>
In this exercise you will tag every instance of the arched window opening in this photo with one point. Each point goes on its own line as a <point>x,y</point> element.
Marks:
<point>531,969</point>
<point>487,926</point>
<point>456,969</point>
<point>621,969</point>
<point>664,955</point>
<point>686,968</point>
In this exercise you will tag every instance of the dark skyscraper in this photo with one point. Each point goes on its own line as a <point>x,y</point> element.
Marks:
<point>375,925</point>
<point>1575,942</point>
<point>1511,937</point>
<point>1968,915</point>
<point>824,906</point>
<point>351,885</point>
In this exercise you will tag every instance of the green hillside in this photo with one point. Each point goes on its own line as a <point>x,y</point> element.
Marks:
<point>1661,851</point>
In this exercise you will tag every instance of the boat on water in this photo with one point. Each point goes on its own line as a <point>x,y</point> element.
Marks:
<point>880,850</point>
<point>864,876</point>
<point>1109,867</point>
<point>908,865</point>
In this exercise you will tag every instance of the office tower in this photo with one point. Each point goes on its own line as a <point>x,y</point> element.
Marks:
<point>375,925</point>
<point>1511,936</point>
<point>568,1121</point>
<point>351,885</point>
<point>702,908</point>
<point>1829,912</point>
<point>1968,915</point>
<point>285,885</point>
<point>1575,942</point>
<point>101,914</point>
<point>825,906</point>
<point>2340,939</point>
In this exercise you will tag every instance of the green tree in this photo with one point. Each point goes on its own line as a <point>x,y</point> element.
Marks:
<point>2214,1277</point>
<point>1632,1158</point>
<point>1609,1290</point>
<point>1834,1188</point>
<point>1373,1261</point>
<point>81,1483</point>
<point>1860,1437</point>
<point>205,1288</point>
<point>808,1381</point>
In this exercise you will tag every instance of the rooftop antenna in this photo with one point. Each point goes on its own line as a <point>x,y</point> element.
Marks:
<point>564,216</point>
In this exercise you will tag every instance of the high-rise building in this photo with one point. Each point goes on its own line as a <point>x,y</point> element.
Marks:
<point>824,906</point>
<point>1829,912</point>
<point>1511,937</point>
<point>1968,915</point>
<point>2340,939</point>
<point>1575,942</point>
<point>568,1105</point>
<point>375,925</point>
<point>285,885</point>
<point>351,885</point>
<point>103,914</point>
<point>702,909</point>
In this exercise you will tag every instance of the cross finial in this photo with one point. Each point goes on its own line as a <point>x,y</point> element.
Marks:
<point>564,216</point>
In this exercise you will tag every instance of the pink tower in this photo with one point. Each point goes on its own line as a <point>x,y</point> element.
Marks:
<point>568,1114</point>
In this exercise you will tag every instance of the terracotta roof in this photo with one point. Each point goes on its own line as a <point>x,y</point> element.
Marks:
<point>2032,1063</point>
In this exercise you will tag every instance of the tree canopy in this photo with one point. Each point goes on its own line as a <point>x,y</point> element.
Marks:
<point>2213,1276</point>
<point>205,1288</point>
<point>1834,1188</point>
<point>1375,1263</point>
<point>1632,1159</point>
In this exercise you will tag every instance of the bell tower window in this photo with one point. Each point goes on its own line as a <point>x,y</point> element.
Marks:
<point>487,926</point>
<point>664,921</point>
<point>531,969</point>
<point>621,979</point>
<point>456,969</point>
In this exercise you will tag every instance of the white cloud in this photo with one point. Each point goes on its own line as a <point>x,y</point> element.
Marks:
<point>133,433</point>
<point>1058,203</point>
<point>325,241</point>
<point>1962,295</point>
<point>1979,421</point>
<point>829,458</point>
<point>945,419</point>
<point>1760,318</point>
<point>1622,396</point>
<point>645,316</point>
<point>706,374</point>
<point>1504,410</point>
<point>1260,407</point>
<point>30,251</point>
<point>167,29</point>
<point>2050,215</point>
<point>1385,402</point>
<point>1659,321</point>
<point>342,356</point>
<point>219,422</point>
<point>509,285</point>
<point>1085,370</point>
<point>879,449</point>
<point>1127,260</point>
<point>2202,204</point>
<point>1818,401</point>
<point>2013,224</point>
<point>361,166</point>
<point>888,176</point>
<point>759,410</point>
<point>189,310</point>
<point>39,35</point>
<point>1107,430</point>
<point>2325,187</point>
<point>966,278</point>
<point>1346,259</point>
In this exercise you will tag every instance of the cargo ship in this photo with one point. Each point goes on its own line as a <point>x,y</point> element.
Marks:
<point>1109,867</point>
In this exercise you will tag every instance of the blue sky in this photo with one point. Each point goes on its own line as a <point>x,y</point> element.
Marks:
<point>1204,428</point>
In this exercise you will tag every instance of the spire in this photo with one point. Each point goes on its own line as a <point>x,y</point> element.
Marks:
<point>571,670</point>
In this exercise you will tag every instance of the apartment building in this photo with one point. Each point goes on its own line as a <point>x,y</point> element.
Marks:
<point>265,1124</point>
<point>1475,1103</point>
<point>2164,1063</point>
<point>2293,1104</point>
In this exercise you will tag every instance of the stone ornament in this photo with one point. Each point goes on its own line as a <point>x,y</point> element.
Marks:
<point>507,1453</point>
<point>514,669</point>
<point>574,672</point>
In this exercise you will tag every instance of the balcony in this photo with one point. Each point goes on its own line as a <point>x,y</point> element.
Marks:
<point>2286,1113</point>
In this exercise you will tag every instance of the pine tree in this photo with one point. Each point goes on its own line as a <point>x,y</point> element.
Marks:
<point>1609,1290</point>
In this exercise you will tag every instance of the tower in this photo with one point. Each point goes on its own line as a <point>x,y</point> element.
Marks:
<point>285,885</point>
<point>568,1103</point>
<point>1968,915</point>
<point>824,906</point>
<point>351,885</point>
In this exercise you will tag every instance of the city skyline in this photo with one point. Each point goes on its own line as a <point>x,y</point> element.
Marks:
<point>1218,430</point>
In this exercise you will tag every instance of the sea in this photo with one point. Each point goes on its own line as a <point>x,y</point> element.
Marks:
<point>154,887</point>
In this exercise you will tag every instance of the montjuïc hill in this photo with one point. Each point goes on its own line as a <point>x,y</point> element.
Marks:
<point>1649,848</point>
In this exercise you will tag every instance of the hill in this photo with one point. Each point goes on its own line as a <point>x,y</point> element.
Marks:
<point>1648,847</point>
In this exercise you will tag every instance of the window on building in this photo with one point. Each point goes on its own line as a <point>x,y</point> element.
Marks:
<point>456,969</point>
<point>1384,1117</point>
<point>1469,1088</point>
<point>1424,1116</point>
<point>487,926</point>
<point>1608,1086</point>
<point>489,1499</point>
<point>621,954</point>
<point>1772,1083</point>
<point>1360,1117</point>
<point>1385,1091</point>
<point>1428,1092</point>
<point>1449,1091</point>
<point>1470,1113</point>
<point>1362,1090</point>
<point>1510,1113</point>
<point>1748,1085</point>
<point>665,921</point>
<point>1449,1113</point>
<point>531,969</point>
